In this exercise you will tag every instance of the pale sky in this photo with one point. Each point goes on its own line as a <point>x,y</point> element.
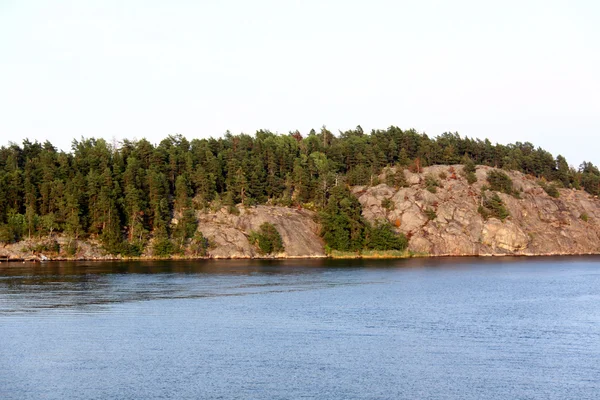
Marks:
<point>508,71</point>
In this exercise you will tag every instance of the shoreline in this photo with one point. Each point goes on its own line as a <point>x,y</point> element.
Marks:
<point>36,259</point>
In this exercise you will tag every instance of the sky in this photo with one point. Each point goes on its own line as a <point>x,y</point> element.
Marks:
<point>509,71</point>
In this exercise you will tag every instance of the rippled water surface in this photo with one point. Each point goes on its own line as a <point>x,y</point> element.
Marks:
<point>507,328</point>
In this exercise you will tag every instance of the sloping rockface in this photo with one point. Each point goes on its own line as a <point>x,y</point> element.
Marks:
<point>229,232</point>
<point>538,224</point>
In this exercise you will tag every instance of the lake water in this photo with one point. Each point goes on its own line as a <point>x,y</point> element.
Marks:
<point>462,328</point>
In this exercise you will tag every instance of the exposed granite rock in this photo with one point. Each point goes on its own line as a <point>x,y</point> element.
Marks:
<point>503,235</point>
<point>538,224</point>
<point>229,232</point>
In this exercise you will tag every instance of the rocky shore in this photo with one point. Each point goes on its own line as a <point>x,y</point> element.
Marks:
<point>440,222</point>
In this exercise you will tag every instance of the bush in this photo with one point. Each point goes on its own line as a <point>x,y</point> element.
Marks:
<point>200,245</point>
<point>387,204</point>
<point>431,183</point>
<point>72,248</point>
<point>132,249</point>
<point>471,178</point>
<point>383,237</point>
<point>49,246</point>
<point>430,213</point>
<point>395,178</point>
<point>163,247</point>
<point>267,239</point>
<point>493,207</point>
<point>550,189</point>
<point>233,210</point>
<point>584,217</point>
<point>469,166</point>
<point>500,182</point>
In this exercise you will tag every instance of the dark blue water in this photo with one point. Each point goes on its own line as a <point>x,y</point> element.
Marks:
<point>508,328</point>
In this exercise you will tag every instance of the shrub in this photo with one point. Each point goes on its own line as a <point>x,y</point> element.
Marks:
<point>584,217</point>
<point>163,247</point>
<point>415,166</point>
<point>430,213</point>
<point>500,182</point>
<point>232,209</point>
<point>267,239</point>
<point>383,237</point>
<point>132,249</point>
<point>493,207</point>
<point>50,246</point>
<point>387,204</point>
<point>471,178</point>
<point>469,166</point>
<point>72,248</point>
<point>442,175</point>
<point>550,189</point>
<point>431,183</point>
<point>200,245</point>
<point>395,179</point>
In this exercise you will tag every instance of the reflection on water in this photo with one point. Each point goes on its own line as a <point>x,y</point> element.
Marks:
<point>462,328</point>
<point>39,286</point>
<point>33,286</point>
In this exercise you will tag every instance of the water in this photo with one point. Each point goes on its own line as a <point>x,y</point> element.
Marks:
<point>502,328</point>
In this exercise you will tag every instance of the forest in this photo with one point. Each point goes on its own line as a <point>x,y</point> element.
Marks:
<point>127,194</point>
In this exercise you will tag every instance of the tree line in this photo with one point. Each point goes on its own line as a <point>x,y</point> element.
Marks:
<point>131,192</point>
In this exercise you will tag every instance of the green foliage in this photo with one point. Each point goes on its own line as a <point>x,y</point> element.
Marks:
<point>47,246</point>
<point>431,183</point>
<point>163,247</point>
<point>233,210</point>
<point>267,239</point>
<point>132,249</point>
<point>584,217</point>
<point>72,248</point>
<point>14,228</point>
<point>468,166</point>
<point>388,204</point>
<point>550,189</point>
<point>200,245</point>
<point>500,182</point>
<point>127,195</point>
<point>430,213</point>
<point>382,236</point>
<point>48,224</point>
<point>493,206</point>
<point>471,178</point>
<point>186,226</point>
<point>395,178</point>
<point>342,225</point>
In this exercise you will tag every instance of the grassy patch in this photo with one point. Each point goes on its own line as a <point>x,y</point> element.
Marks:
<point>371,254</point>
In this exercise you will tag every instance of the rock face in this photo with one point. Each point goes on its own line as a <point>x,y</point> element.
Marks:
<point>229,232</point>
<point>447,222</point>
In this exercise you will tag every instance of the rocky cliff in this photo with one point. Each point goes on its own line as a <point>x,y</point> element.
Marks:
<point>439,222</point>
<point>447,222</point>
<point>228,232</point>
